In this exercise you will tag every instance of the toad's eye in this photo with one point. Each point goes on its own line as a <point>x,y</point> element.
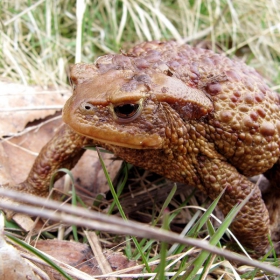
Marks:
<point>127,112</point>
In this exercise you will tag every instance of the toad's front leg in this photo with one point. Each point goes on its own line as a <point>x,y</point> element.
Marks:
<point>63,150</point>
<point>251,225</point>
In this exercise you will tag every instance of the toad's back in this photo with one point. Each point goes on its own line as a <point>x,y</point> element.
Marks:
<point>242,119</point>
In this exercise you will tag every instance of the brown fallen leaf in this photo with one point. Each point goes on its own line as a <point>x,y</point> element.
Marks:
<point>21,151</point>
<point>80,256</point>
<point>22,104</point>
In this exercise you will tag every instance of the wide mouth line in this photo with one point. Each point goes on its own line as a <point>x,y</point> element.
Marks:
<point>144,143</point>
<point>115,143</point>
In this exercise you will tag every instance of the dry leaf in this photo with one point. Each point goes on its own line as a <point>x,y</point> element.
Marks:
<point>26,100</point>
<point>21,151</point>
<point>80,256</point>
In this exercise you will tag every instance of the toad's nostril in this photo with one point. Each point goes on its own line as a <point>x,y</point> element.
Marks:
<point>87,106</point>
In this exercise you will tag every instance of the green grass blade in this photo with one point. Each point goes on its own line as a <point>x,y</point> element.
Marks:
<point>115,196</point>
<point>163,250</point>
<point>119,188</point>
<point>166,203</point>
<point>199,261</point>
<point>205,217</point>
<point>73,198</point>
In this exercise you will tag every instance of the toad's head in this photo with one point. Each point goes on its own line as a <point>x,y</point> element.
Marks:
<point>127,106</point>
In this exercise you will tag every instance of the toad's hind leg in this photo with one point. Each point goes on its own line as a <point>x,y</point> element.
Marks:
<point>63,150</point>
<point>251,225</point>
<point>271,197</point>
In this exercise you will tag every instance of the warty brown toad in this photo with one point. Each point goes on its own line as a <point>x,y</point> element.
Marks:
<point>186,113</point>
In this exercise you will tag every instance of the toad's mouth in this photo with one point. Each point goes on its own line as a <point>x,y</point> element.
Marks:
<point>117,138</point>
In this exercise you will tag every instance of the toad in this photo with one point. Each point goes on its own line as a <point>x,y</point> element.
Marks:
<point>186,113</point>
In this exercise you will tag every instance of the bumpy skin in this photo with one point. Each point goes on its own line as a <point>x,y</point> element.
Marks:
<point>186,113</point>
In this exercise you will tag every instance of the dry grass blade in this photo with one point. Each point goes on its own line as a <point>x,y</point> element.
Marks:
<point>97,250</point>
<point>99,221</point>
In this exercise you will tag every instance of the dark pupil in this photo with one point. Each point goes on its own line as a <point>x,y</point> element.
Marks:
<point>126,110</point>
